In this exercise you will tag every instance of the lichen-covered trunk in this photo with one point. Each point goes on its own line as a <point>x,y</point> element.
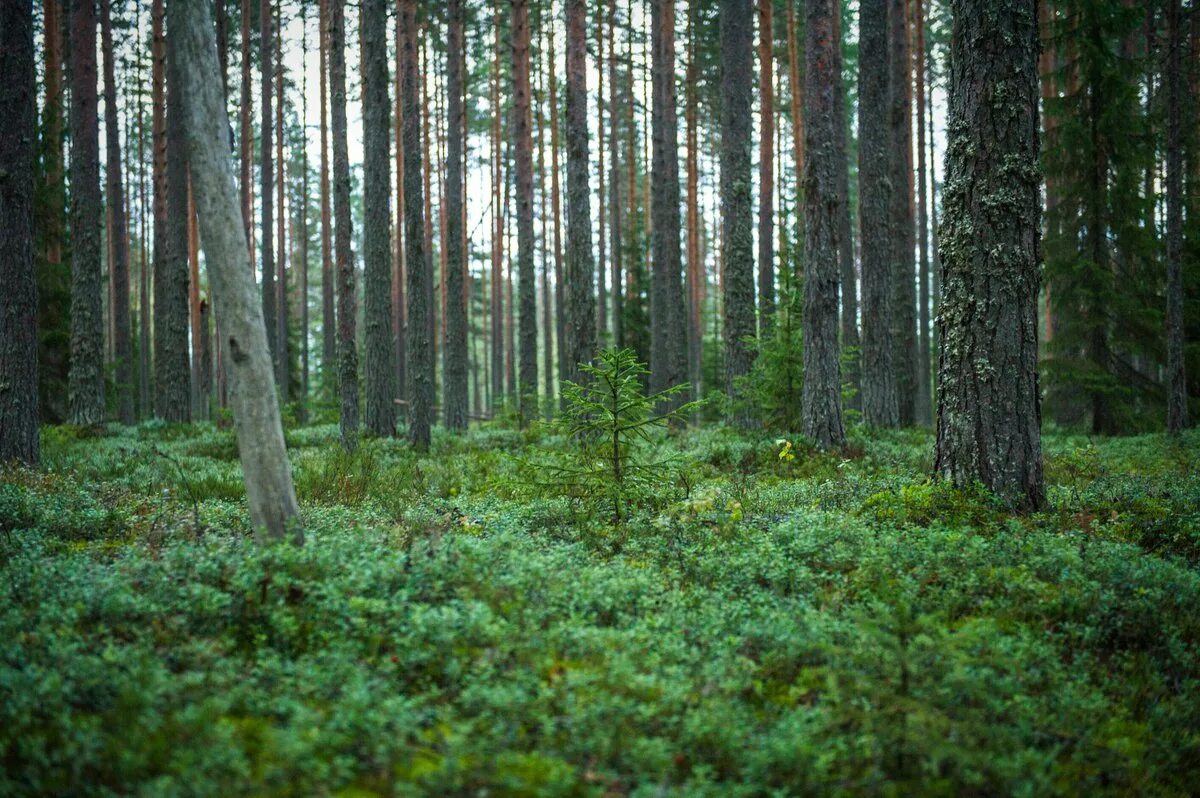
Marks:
<point>737,234</point>
<point>347,301</point>
<point>455,353</point>
<point>119,245</point>
<point>668,318</point>
<point>1177,400</point>
<point>579,324</point>
<point>903,237</point>
<point>821,410</point>
<point>86,377</point>
<point>879,405</point>
<point>526,274</point>
<point>988,405</point>
<point>766,167</point>
<point>269,491</point>
<point>18,300</point>
<point>419,341</point>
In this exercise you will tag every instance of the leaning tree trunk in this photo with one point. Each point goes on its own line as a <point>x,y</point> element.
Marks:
<point>1177,407</point>
<point>455,353</point>
<point>737,235</point>
<point>579,327</point>
<point>269,491</point>
<point>420,278</point>
<point>879,406</point>
<point>821,409</point>
<point>988,406</point>
<point>122,338</point>
<point>18,300</point>
<point>903,240</point>
<point>86,380</point>
<point>526,277</point>
<point>380,416</point>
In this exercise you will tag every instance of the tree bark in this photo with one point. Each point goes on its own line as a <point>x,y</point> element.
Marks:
<point>1177,399</point>
<point>737,254</point>
<point>579,328</point>
<point>420,354</point>
<point>455,352</point>
<point>879,403</point>
<point>601,194</point>
<point>18,300</point>
<point>988,404</point>
<point>328,312</point>
<point>267,178</point>
<point>269,491</point>
<point>283,358</point>
<point>821,411</point>
<point>614,187</point>
<point>848,278</point>
<point>904,321</point>
<point>247,136</point>
<point>695,269</point>
<point>556,205</point>
<point>526,276</point>
<point>766,167</point>
<point>399,271</point>
<point>497,283</point>
<point>924,408</point>
<point>347,301</point>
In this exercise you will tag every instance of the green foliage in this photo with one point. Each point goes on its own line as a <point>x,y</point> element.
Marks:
<point>775,385</point>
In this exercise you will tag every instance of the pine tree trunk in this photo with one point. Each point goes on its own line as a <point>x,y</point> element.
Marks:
<point>526,277</point>
<point>796,86</point>
<point>347,301</point>
<point>144,406</point>
<point>614,187</point>
<point>247,136</point>
<point>269,491</point>
<point>455,352</point>
<point>556,205</point>
<point>18,301</point>
<point>988,405</point>
<point>199,403</point>
<point>848,278</point>
<point>766,167</point>
<point>821,411</point>
<point>879,401</point>
<point>737,254</point>
<point>283,358</point>
<point>904,307</point>
<point>579,328</point>
<point>695,269</point>
<point>420,355</point>
<point>497,282</point>
<point>399,272</point>
<point>924,409</point>
<point>303,249</point>
<point>267,178</point>
<point>328,313</point>
<point>86,391</point>
<point>601,194</point>
<point>1177,399</point>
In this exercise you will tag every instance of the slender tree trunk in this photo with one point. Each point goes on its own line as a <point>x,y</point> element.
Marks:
<point>86,386</point>
<point>328,314</point>
<point>144,408</point>
<point>904,322</point>
<point>601,195</point>
<point>796,86</point>
<point>695,268</point>
<point>879,402</point>
<point>399,272</point>
<point>737,254</point>
<point>821,411</point>
<point>988,411</point>
<point>199,405</point>
<point>269,491</point>
<point>1177,399</point>
<point>427,184</point>
<point>526,277</point>
<point>347,301</point>
<point>848,278</point>
<point>579,323</point>
<point>924,408</point>
<point>766,166</point>
<point>455,352</point>
<point>283,359</point>
<point>497,282</point>
<point>420,280</point>
<point>614,186</point>
<point>119,267</point>
<point>18,300</point>
<point>267,178</point>
<point>548,373</point>
<point>247,135</point>
<point>560,316</point>
<point>304,353</point>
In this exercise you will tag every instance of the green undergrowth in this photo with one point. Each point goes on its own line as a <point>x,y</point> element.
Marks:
<point>759,624</point>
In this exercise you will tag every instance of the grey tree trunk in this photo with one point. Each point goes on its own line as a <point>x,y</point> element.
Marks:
<point>737,234</point>
<point>269,491</point>
<point>848,279</point>
<point>172,363</point>
<point>267,177</point>
<point>879,406</point>
<point>86,375</point>
<point>668,316</point>
<point>122,334</point>
<point>904,309</point>
<point>988,404</point>
<point>454,364</point>
<point>766,167</point>
<point>18,300</point>
<point>579,313</point>
<point>380,364</point>
<point>924,408</point>
<point>821,411</point>
<point>526,273</point>
<point>328,301</point>
<point>1177,400</point>
<point>347,302</point>
<point>419,337</point>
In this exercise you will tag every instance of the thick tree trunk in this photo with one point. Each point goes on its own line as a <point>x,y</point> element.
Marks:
<point>267,178</point>
<point>988,405</point>
<point>119,245</point>
<point>1177,399</point>
<point>821,411</point>
<point>904,308</point>
<point>86,385</point>
<point>766,166</point>
<point>526,276</point>
<point>18,300</point>
<point>737,254</point>
<point>455,353</point>
<point>269,491</point>
<point>924,408</point>
<point>879,404</point>
<point>579,328</point>
<point>420,355</point>
<point>347,301</point>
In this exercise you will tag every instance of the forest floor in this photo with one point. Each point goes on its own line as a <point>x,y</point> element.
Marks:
<point>758,625</point>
